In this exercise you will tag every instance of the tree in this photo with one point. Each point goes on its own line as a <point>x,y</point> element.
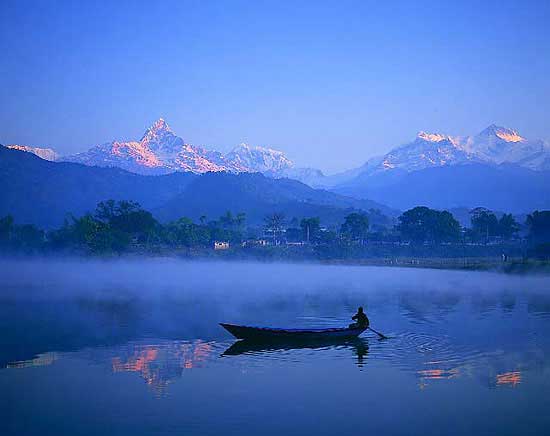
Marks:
<point>355,227</point>
<point>539,226</point>
<point>274,225</point>
<point>105,210</point>
<point>126,217</point>
<point>328,237</point>
<point>185,232</point>
<point>110,229</point>
<point>28,238</point>
<point>507,226</point>
<point>98,237</point>
<point>240,220</point>
<point>138,222</point>
<point>311,227</point>
<point>227,221</point>
<point>294,234</point>
<point>378,221</point>
<point>6,229</point>
<point>422,224</point>
<point>484,224</point>
<point>447,227</point>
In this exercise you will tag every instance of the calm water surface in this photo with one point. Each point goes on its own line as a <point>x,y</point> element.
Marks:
<point>133,347</point>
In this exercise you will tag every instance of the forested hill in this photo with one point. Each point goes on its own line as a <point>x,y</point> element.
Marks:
<point>40,192</point>
<point>214,193</point>
<point>498,187</point>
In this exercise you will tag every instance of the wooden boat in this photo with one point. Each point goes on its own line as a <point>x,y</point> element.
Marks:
<point>268,333</point>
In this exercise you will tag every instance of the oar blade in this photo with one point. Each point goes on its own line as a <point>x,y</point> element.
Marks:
<point>382,336</point>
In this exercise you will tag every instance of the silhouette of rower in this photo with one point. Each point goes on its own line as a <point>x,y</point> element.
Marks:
<point>361,319</point>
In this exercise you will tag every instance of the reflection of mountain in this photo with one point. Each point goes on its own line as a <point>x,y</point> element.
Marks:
<point>162,363</point>
<point>428,375</point>
<point>489,373</point>
<point>506,378</point>
<point>36,329</point>
<point>44,359</point>
<point>512,378</point>
<point>159,363</point>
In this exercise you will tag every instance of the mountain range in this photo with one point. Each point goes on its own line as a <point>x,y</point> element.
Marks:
<point>161,151</point>
<point>498,168</point>
<point>495,145</point>
<point>498,156</point>
<point>43,193</point>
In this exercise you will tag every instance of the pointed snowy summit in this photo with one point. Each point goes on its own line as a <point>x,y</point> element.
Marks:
<point>503,133</point>
<point>161,151</point>
<point>431,137</point>
<point>157,129</point>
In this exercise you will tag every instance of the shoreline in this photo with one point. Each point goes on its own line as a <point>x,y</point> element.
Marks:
<point>482,264</point>
<point>490,264</point>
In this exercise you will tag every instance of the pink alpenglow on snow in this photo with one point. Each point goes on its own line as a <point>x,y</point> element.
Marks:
<point>161,151</point>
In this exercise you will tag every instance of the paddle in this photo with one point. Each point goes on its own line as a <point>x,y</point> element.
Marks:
<point>378,333</point>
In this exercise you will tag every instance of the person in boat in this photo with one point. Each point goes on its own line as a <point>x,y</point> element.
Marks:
<point>361,319</point>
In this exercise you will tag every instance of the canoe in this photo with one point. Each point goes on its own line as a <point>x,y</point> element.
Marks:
<point>268,333</point>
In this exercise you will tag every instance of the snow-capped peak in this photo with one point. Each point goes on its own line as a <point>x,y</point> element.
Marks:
<point>245,157</point>
<point>44,153</point>
<point>158,128</point>
<point>243,146</point>
<point>432,137</point>
<point>161,151</point>
<point>504,133</point>
<point>494,145</point>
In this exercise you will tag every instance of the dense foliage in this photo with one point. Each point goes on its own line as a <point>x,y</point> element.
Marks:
<point>422,224</point>
<point>485,225</point>
<point>539,226</point>
<point>117,227</point>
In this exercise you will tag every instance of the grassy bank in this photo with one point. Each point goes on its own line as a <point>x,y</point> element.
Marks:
<point>513,266</point>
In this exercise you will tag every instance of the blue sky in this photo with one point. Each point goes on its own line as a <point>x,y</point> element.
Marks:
<point>330,83</point>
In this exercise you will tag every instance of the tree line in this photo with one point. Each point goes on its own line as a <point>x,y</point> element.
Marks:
<point>120,226</point>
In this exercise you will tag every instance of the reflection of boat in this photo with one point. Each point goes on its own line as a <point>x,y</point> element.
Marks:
<point>275,334</point>
<point>250,346</point>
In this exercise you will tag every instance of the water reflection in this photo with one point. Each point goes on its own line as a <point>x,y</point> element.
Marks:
<point>428,375</point>
<point>40,360</point>
<point>359,347</point>
<point>431,358</point>
<point>512,378</point>
<point>161,364</point>
<point>146,345</point>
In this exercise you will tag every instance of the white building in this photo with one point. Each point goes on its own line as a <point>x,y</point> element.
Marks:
<point>221,245</point>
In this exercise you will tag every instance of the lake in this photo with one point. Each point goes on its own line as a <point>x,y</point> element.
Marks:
<point>134,347</point>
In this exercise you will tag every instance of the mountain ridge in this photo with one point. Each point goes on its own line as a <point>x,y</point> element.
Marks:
<point>507,187</point>
<point>41,192</point>
<point>493,153</point>
<point>161,151</point>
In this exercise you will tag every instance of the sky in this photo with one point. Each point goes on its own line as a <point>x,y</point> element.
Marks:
<point>330,83</point>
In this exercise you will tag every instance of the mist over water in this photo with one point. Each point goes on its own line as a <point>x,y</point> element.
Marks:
<point>134,346</point>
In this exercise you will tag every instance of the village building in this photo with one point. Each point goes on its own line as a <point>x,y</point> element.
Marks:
<point>221,245</point>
